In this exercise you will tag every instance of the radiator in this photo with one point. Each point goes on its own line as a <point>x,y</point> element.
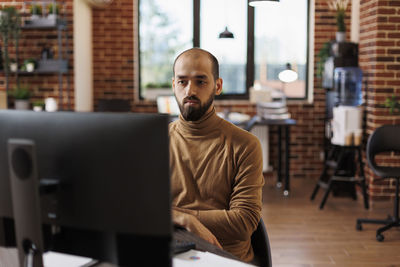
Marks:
<point>261,131</point>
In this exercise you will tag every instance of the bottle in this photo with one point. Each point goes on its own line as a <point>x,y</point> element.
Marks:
<point>348,83</point>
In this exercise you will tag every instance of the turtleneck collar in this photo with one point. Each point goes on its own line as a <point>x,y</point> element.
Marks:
<point>204,125</point>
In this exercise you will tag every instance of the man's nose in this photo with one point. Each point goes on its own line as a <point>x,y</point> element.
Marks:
<point>190,89</point>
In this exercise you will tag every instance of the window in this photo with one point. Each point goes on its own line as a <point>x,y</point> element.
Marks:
<point>280,37</point>
<point>230,52</point>
<point>165,29</point>
<point>265,40</point>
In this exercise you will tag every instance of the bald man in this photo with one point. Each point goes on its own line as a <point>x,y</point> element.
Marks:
<point>216,167</point>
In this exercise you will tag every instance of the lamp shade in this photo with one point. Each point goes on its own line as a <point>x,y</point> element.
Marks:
<point>255,3</point>
<point>226,34</point>
<point>288,75</point>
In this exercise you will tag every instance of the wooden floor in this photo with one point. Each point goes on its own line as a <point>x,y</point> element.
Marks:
<point>303,235</point>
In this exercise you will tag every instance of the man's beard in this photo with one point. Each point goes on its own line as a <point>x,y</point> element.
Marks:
<point>191,113</point>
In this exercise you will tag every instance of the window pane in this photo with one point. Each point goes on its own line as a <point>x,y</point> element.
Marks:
<point>231,53</point>
<point>280,38</point>
<point>165,29</point>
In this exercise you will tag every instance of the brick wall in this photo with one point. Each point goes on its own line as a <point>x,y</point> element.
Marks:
<point>379,59</point>
<point>30,46</point>
<point>113,51</point>
<point>115,60</point>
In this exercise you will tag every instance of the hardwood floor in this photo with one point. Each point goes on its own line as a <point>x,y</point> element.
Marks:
<point>303,235</point>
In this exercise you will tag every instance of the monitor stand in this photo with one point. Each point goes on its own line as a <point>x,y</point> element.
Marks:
<point>25,200</point>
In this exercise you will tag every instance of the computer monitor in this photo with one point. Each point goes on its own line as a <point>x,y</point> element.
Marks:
<point>94,184</point>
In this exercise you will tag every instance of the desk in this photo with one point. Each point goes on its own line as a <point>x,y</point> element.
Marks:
<point>9,256</point>
<point>285,124</point>
<point>201,244</point>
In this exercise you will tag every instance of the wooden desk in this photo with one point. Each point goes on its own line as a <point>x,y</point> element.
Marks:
<point>285,124</point>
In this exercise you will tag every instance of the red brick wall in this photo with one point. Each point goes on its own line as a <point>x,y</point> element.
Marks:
<point>115,60</point>
<point>30,46</point>
<point>113,51</point>
<point>379,58</point>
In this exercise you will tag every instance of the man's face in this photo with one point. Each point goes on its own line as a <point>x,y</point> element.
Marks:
<point>194,86</point>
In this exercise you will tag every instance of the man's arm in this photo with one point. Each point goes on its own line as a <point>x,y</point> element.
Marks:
<point>243,215</point>
<point>192,224</point>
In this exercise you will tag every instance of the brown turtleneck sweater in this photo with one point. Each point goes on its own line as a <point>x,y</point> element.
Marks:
<point>216,169</point>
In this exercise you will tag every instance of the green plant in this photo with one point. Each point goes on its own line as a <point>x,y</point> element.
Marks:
<point>340,7</point>
<point>30,60</point>
<point>38,103</point>
<point>21,92</point>
<point>323,54</point>
<point>36,9</point>
<point>392,104</point>
<point>10,27</point>
<point>53,9</point>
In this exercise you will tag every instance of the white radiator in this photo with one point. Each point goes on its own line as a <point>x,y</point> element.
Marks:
<point>261,131</point>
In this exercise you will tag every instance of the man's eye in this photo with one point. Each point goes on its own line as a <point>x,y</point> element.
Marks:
<point>201,82</point>
<point>181,82</point>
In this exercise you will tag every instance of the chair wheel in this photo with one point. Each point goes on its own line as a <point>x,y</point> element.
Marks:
<point>380,237</point>
<point>358,226</point>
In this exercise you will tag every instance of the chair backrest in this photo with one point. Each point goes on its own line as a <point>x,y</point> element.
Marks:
<point>260,244</point>
<point>114,105</point>
<point>384,139</point>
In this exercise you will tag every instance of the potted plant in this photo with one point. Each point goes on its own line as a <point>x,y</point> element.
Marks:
<point>21,94</point>
<point>38,105</point>
<point>52,11</point>
<point>13,65</point>
<point>29,64</point>
<point>36,11</point>
<point>339,6</point>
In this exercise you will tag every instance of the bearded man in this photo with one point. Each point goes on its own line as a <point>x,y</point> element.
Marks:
<point>216,167</point>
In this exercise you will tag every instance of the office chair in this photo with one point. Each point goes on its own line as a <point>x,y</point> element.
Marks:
<point>384,139</point>
<point>260,244</point>
<point>113,105</point>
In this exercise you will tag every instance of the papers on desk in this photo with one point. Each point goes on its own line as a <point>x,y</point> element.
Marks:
<point>55,259</point>
<point>199,258</point>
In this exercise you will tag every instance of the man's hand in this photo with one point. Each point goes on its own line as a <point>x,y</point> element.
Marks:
<point>192,224</point>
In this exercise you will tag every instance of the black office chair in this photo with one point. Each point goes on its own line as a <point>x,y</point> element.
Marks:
<point>261,248</point>
<point>384,139</point>
<point>113,105</point>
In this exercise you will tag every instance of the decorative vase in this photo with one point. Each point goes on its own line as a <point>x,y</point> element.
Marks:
<point>22,104</point>
<point>340,37</point>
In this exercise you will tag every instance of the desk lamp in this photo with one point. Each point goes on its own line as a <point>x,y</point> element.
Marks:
<point>288,75</point>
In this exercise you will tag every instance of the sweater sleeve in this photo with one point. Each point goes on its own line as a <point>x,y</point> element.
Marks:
<point>243,215</point>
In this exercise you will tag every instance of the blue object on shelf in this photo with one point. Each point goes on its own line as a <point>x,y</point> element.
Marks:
<point>348,82</point>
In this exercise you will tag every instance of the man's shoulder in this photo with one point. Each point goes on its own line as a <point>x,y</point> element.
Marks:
<point>238,134</point>
<point>172,125</point>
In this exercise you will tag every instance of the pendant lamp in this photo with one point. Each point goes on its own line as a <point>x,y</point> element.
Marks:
<point>226,34</point>
<point>255,3</point>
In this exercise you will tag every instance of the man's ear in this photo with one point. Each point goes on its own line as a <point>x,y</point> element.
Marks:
<point>218,86</point>
<point>173,84</point>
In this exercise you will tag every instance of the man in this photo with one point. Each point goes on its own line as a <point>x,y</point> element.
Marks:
<point>216,167</point>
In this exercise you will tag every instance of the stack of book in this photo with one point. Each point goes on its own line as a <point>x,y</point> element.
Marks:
<point>273,110</point>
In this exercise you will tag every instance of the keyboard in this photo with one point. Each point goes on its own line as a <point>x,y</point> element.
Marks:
<point>180,246</point>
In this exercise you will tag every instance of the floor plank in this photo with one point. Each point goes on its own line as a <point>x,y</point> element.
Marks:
<point>303,235</point>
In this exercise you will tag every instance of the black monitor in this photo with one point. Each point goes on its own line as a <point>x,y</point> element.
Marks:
<point>88,184</point>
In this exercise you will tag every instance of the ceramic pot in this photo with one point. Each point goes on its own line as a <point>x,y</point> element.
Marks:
<point>340,37</point>
<point>22,104</point>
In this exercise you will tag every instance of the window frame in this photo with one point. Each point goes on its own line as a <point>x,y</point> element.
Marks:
<point>250,64</point>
